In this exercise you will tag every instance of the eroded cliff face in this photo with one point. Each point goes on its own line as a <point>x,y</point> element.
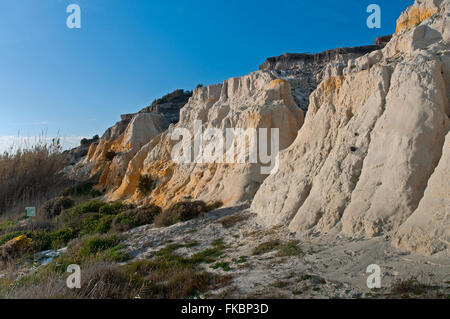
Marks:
<point>370,158</point>
<point>120,143</point>
<point>255,101</point>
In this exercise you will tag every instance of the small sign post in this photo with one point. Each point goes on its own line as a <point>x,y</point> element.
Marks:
<point>30,212</point>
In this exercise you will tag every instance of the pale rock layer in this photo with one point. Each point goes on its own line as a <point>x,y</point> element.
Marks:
<point>255,101</point>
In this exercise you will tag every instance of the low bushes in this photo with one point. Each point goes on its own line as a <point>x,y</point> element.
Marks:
<point>91,217</point>
<point>135,217</point>
<point>14,248</point>
<point>55,206</point>
<point>93,245</point>
<point>181,212</point>
<point>289,249</point>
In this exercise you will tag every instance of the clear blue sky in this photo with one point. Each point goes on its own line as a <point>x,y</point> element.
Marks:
<point>128,52</point>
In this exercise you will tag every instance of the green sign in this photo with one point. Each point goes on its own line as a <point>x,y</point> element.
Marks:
<point>30,211</point>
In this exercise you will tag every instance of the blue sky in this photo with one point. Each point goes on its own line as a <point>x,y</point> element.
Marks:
<point>77,82</point>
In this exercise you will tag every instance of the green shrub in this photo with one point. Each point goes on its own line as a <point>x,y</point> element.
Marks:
<point>289,249</point>
<point>111,209</point>
<point>225,266</point>
<point>145,184</point>
<point>93,245</point>
<point>135,217</point>
<point>168,276</point>
<point>92,206</point>
<point>266,247</point>
<point>95,224</point>
<point>181,212</point>
<point>62,237</point>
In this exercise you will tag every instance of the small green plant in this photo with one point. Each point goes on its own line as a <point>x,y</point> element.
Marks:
<point>242,260</point>
<point>181,212</point>
<point>89,207</point>
<point>8,224</point>
<point>289,249</point>
<point>103,247</point>
<point>210,255</point>
<point>145,185</point>
<point>218,243</point>
<point>305,277</point>
<point>225,266</point>
<point>135,217</point>
<point>111,209</point>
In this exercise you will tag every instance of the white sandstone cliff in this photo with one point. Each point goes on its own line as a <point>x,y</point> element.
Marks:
<point>254,101</point>
<point>370,158</point>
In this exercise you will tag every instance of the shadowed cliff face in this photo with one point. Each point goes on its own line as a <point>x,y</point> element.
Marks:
<point>305,71</point>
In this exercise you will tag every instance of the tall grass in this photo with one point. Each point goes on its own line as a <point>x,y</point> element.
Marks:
<point>30,174</point>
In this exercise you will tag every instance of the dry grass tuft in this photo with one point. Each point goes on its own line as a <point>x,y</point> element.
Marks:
<point>181,212</point>
<point>30,175</point>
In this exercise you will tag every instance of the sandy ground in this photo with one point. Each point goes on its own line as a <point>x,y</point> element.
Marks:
<point>332,267</point>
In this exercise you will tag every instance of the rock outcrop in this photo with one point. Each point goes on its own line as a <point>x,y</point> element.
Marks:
<point>305,71</point>
<point>416,14</point>
<point>383,40</point>
<point>370,158</point>
<point>258,100</point>
<point>76,154</point>
<point>120,143</point>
